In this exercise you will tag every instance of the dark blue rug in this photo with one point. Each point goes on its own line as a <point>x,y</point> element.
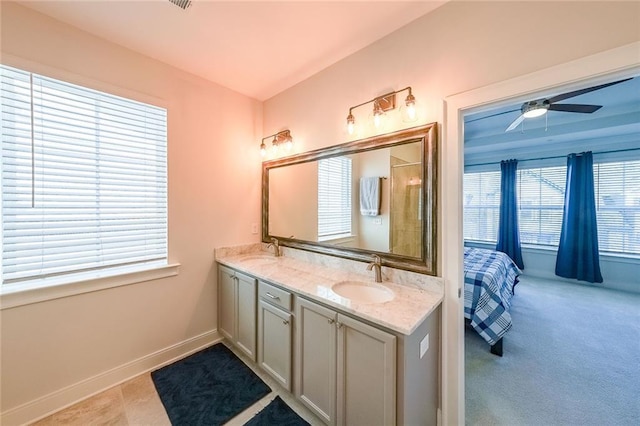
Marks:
<point>207,388</point>
<point>277,413</point>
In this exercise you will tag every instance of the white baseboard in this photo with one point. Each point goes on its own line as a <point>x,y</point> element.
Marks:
<point>67,396</point>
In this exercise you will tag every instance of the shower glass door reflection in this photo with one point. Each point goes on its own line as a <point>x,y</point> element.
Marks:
<point>406,208</point>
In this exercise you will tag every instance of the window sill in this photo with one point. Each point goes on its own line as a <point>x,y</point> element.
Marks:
<point>549,250</point>
<point>341,239</point>
<point>26,295</point>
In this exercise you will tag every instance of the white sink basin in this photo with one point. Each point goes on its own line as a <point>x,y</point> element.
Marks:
<point>363,292</point>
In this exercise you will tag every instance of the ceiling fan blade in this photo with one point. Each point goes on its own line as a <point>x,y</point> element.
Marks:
<point>585,109</point>
<point>583,91</point>
<point>492,115</point>
<point>515,123</point>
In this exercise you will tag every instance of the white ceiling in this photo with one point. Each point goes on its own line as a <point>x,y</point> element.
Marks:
<point>257,48</point>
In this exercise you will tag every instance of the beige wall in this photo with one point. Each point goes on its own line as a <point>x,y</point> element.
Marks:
<point>214,196</point>
<point>458,47</point>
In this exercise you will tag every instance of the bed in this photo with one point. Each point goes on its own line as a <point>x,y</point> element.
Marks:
<point>489,280</point>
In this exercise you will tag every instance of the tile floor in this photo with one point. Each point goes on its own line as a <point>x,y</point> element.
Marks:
<point>136,402</point>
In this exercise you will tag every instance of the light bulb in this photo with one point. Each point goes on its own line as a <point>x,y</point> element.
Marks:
<point>378,113</point>
<point>288,144</point>
<point>377,120</point>
<point>409,113</point>
<point>263,150</point>
<point>274,146</point>
<point>350,123</point>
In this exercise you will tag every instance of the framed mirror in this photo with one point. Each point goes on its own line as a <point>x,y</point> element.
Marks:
<point>372,196</point>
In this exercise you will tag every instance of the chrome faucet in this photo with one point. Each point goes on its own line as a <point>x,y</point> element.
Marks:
<point>376,265</point>
<point>276,247</point>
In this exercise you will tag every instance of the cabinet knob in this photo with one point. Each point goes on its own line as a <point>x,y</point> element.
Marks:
<point>339,324</point>
<point>331,321</point>
<point>285,322</point>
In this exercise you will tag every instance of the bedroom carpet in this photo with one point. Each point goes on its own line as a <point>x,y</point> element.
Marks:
<point>571,358</point>
<point>208,388</point>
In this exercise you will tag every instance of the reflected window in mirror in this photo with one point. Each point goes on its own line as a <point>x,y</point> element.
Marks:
<point>335,199</point>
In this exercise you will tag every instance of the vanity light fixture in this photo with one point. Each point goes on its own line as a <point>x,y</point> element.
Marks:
<point>281,138</point>
<point>382,104</point>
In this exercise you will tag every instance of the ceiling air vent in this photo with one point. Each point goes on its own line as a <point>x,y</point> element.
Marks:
<point>183,4</point>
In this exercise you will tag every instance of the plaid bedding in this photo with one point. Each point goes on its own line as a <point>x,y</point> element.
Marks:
<point>489,277</point>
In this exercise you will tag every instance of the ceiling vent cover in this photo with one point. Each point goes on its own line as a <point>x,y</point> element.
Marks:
<point>183,4</point>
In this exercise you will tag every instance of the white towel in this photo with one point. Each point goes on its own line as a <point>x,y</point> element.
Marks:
<point>370,192</point>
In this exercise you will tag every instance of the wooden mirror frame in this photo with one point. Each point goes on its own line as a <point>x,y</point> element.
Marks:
<point>427,134</point>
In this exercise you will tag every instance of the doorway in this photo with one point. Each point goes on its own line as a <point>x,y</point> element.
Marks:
<point>550,317</point>
<point>595,69</point>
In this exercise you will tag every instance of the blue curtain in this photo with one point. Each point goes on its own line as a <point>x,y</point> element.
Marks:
<point>578,255</point>
<point>508,230</point>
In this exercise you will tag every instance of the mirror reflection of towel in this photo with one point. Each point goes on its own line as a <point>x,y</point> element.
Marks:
<point>370,195</point>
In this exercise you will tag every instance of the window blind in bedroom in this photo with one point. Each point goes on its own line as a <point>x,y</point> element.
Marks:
<point>481,206</point>
<point>617,191</point>
<point>84,181</point>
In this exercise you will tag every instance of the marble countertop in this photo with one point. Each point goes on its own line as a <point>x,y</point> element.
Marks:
<point>411,304</point>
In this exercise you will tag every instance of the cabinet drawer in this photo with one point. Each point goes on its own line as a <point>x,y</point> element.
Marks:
<point>274,295</point>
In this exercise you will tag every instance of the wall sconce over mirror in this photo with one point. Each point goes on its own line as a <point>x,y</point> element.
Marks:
<point>281,140</point>
<point>381,105</point>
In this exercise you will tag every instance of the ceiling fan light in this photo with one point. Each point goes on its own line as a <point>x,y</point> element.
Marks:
<point>535,108</point>
<point>536,112</point>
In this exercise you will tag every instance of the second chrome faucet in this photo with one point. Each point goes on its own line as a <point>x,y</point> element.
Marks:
<point>276,247</point>
<point>376,265</point>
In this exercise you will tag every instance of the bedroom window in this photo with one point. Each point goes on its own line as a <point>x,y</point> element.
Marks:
<point>541,202</point>
<point>617,190</point>
<point>84,182</point>
<point>334,198</point>
<point>481,206</point>
<point>540,197</point>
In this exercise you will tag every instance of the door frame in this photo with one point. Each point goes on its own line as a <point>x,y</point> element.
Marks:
<point>595,69</point>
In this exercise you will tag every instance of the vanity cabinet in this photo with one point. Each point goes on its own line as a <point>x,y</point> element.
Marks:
<point>237,309</point>
<point>275,323</point>
<point>345,369</point>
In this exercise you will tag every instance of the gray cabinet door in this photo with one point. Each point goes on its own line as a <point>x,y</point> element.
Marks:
<point>274,342</point>
<point>316,359</point>
<point>227,302</point>
<point>366,372</point>
<point>246,314</point>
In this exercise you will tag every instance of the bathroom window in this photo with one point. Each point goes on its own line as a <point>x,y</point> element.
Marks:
<point>334,198</point>
<point>84,182</point>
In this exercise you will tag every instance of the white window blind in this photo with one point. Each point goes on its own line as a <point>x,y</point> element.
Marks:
<point>334,198</point>
<point>541,204</point>
<point>617,193</point>
<point>84,180</point>
<point>481,206</point>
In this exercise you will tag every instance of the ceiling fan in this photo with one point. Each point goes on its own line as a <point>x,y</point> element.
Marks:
<point>539,107</point>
